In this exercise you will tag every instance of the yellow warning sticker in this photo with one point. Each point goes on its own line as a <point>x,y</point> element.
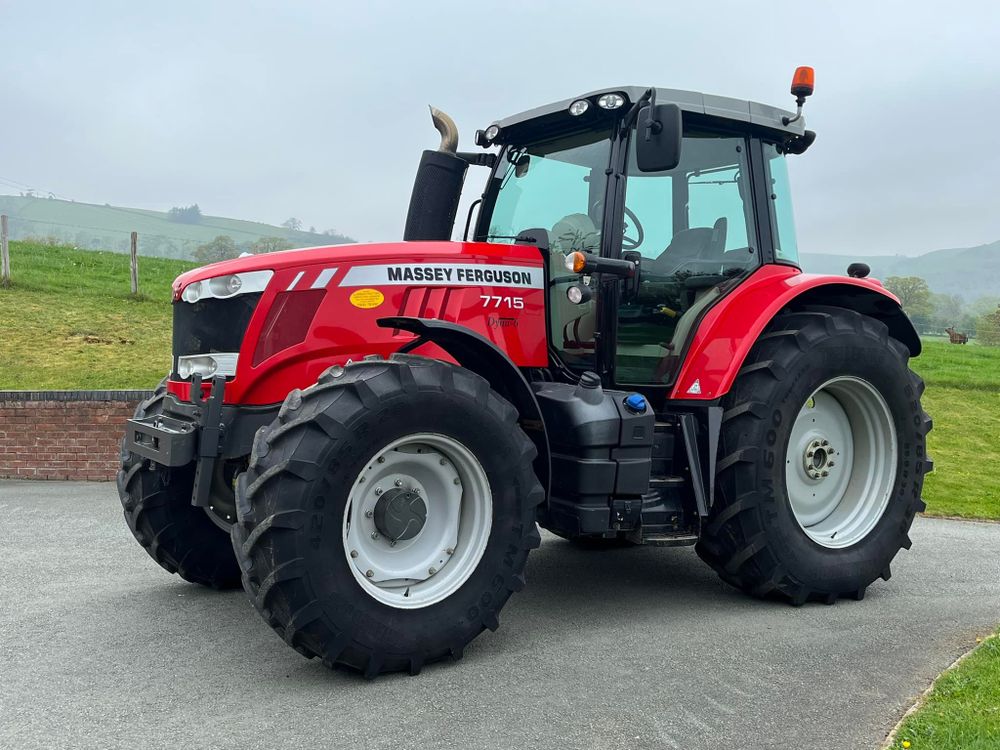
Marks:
<point>366,299</point>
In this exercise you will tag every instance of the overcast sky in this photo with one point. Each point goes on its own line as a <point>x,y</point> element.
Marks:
<point>318,110</point>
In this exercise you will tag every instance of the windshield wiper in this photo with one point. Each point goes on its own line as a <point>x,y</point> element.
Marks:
<point>539,237</point>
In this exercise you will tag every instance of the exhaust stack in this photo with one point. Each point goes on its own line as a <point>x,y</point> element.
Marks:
<point>448,130</point>
<point>437,187</point>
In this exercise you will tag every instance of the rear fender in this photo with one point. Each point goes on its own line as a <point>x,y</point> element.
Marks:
<point>732,326</point>
<point>476,353</point>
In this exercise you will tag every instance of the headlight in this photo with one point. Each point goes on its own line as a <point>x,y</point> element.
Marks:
<point>578,107</point>
<point>224,287</point>
<point>610,101</point>
<point>207,365</point>
<point>492,132</point>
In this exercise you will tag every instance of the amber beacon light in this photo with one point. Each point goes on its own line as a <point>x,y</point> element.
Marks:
<point>803,83</point>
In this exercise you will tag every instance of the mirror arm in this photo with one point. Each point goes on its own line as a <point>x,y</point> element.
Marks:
<point>648,96</point>
<point>478,159</point>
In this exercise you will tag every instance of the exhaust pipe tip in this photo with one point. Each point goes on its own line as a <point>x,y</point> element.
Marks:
<point>448,130</point>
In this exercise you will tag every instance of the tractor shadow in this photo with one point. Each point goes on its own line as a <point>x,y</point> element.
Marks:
<point>595,584</point>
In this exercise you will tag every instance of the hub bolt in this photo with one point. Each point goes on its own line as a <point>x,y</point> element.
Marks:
<point>830,464</point>
<point>381,459</point>
<point>455,480</point>
<point>354,553</point>
<point>369,573</point>
<point>369,514</point>
<point>398,483</point>
<point>431,571</point>
<point>450,550</point>
<point>374,535</point>
<point>826,473</point>
<point>442,462</point>
<point>378,490</point>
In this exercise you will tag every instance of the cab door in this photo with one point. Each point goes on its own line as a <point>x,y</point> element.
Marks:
<point>694,233</point>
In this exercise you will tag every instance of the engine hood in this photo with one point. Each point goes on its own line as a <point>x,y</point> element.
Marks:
<point>352,254</point>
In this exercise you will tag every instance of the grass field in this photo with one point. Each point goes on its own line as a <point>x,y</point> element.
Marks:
<point>962,712</point>
<point>963,398</point>
<point>70,322</point>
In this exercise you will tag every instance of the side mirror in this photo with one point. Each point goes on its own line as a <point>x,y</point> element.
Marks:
<point>658,137</point>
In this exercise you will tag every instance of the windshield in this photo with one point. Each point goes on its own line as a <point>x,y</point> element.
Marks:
<point>558,186</point>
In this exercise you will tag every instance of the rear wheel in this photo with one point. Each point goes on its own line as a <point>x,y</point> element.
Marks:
<point>822,458</point>
<point>387,514</point>
<point>156,501</point>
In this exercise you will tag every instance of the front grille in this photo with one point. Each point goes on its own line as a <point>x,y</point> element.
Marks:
<point>212,325</point>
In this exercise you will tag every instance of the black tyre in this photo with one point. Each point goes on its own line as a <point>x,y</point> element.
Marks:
<point>822,459</point>
<point>157,504</point>
<point>333,483</point>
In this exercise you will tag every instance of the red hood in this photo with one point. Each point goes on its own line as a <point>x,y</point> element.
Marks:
<point>374,251</point>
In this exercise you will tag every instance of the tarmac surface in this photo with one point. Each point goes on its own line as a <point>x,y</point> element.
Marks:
<point>631,648</point>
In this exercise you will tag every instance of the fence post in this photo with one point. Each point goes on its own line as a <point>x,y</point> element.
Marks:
<point>4,254</point>
<point>134,263</point>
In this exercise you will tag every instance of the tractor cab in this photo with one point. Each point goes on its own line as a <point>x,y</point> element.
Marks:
<point>668,198</point>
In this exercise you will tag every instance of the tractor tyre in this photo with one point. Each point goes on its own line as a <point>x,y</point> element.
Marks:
<point>181,538</point>
<point>821,460</point>
<point>387,514</point>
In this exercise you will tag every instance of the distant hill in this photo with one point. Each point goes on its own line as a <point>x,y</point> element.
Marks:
<point>969,272</point>
<point>88,225</point>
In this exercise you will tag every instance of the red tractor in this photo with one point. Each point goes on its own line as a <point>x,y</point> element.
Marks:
<point>621,350</point>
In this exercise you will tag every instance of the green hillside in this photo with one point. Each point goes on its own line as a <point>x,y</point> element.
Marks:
<point>90,226</point>
<point>70,322</point>
<point>969,272</point>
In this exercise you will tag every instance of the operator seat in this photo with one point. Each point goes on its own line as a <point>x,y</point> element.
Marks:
<point>575,323</point>
<point>697,250</point>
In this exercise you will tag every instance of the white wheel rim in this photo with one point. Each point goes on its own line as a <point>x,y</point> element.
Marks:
<point>434,563</point>
<point>841,461</point>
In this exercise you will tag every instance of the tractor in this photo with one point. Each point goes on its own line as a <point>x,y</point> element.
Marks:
<point>622,350</point>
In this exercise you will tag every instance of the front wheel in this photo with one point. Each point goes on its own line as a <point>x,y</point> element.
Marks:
<point>822,459</point>
<point>156,501</point>
<point>387,514</point>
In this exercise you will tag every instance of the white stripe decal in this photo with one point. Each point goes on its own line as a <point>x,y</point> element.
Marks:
<point>295,281</point>
<point>324,278</point>
<point>444,274</point>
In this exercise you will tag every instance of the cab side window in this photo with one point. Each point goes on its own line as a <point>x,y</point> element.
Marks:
<point>780,201</point>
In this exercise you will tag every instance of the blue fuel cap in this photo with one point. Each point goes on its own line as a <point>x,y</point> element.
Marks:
<point>635,403</point>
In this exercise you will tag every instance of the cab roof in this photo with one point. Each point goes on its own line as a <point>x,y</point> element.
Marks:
<point>722,107</point>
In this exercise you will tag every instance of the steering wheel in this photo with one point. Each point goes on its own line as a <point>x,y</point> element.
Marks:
<point>628,243</point>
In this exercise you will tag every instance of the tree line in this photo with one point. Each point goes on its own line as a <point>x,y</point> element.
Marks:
<point>932,313</point>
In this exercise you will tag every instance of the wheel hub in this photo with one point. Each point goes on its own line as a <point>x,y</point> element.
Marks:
<point>817,459</point>
<point>417,521</point>
<point>400,514</point>
<point>841,462</point>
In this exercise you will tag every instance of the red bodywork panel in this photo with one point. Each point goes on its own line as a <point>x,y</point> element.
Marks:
<point>730,328</point>
<point>494,290</point>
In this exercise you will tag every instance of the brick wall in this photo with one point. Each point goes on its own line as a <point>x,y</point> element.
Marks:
<point>63,434</point>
